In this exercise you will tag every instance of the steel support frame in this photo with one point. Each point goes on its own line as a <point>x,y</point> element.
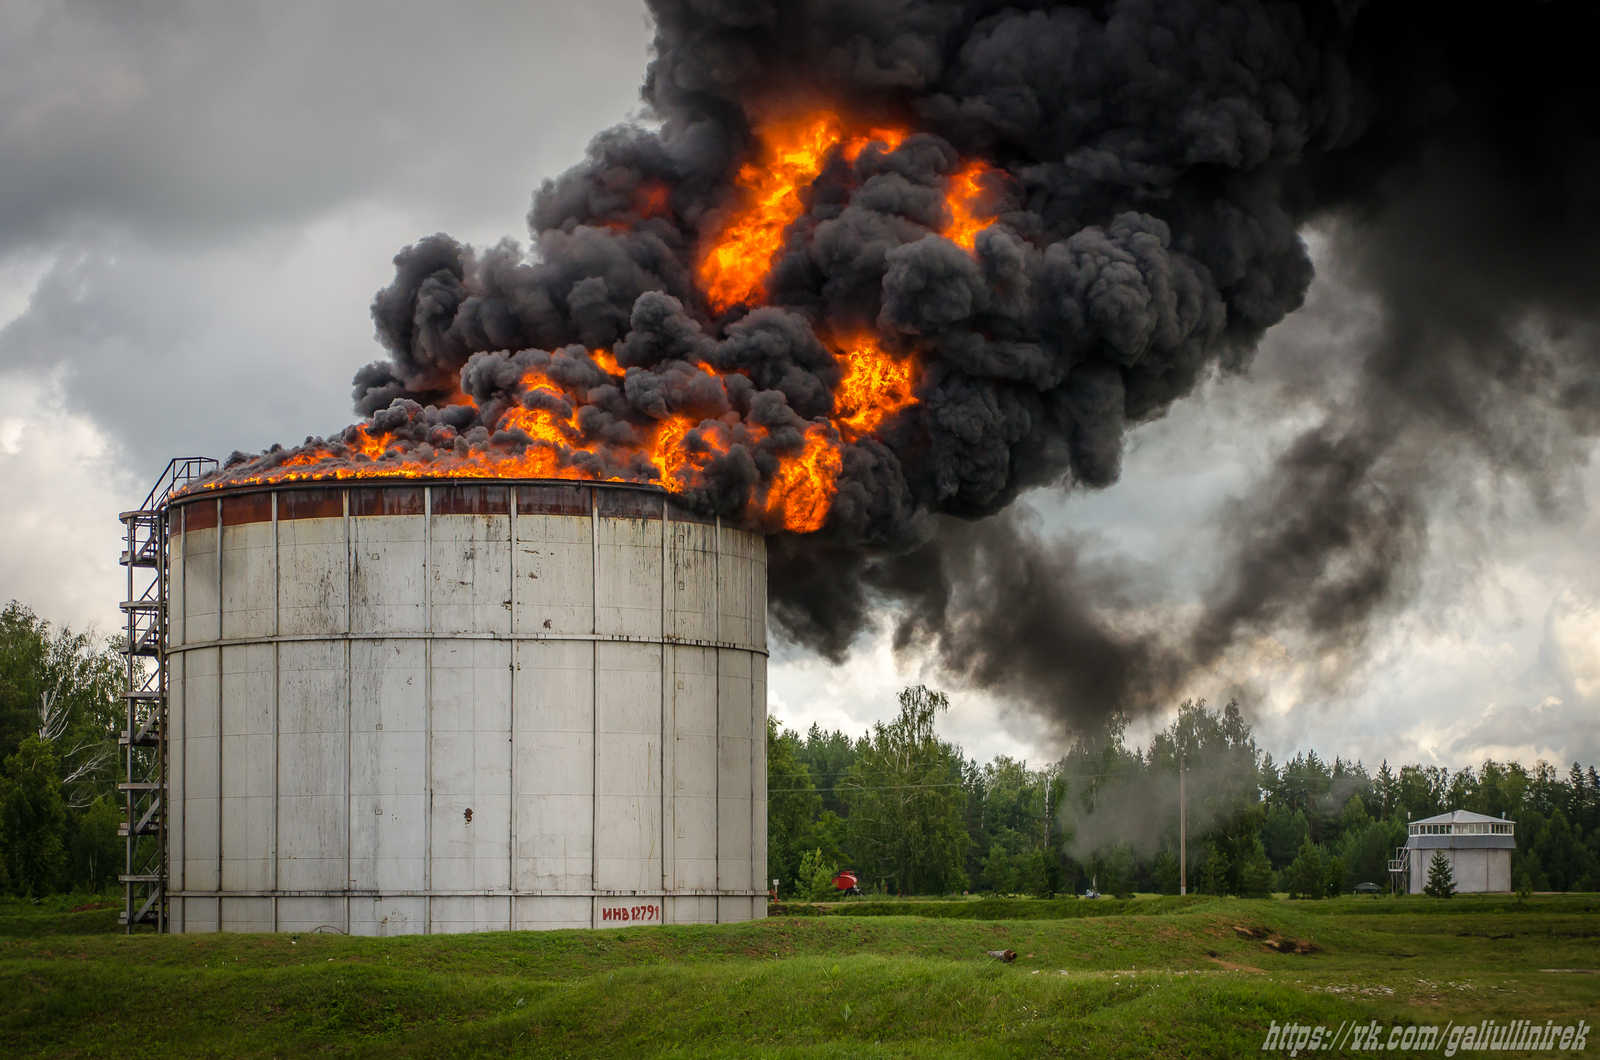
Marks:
<point>143,738</point>
<point>1400,871</point>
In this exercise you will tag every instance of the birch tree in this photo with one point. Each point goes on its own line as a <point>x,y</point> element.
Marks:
<point>907,826</point>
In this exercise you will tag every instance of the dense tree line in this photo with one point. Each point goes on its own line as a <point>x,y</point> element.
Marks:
<point>908,811</point>
<point>910,814</point>
<point>60,696</point>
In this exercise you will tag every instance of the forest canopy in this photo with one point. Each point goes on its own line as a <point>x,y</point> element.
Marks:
<point>910,814</point>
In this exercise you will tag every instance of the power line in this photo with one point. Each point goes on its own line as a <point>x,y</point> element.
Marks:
<point>946,784</point>
<point>874,787</point>
<point>1055,776</point>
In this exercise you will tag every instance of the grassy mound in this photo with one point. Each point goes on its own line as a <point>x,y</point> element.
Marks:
<point>1199,977</point>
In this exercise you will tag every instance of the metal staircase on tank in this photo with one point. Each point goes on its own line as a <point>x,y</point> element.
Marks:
<point>143,738</point>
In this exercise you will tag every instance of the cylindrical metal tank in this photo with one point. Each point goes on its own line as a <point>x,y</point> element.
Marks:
<point>437,706</point>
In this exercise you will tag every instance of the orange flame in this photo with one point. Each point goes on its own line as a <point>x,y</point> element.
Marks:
<point>735,269</point>
<point>542,435</point>
<point>887,139</point>
<point>367,445</point>
<point>668,455</point>
<point>797,498</point>
<point>875,386</point>
<point>801,493</point>
<point>540,424</point>
<point>966,190</point>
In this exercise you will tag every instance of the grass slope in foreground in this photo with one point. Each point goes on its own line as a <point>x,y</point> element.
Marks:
<point>1163,978</point>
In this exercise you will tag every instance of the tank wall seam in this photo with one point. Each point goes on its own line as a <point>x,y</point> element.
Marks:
<point>716,731</point>
<point>604,638</point>
<point>511,702</point>
<point>661,749</point>
<point>277,703</point>
<point>427,708</point>
<point>221,685</point>
<point>349,697</point>
<point>594,699</point>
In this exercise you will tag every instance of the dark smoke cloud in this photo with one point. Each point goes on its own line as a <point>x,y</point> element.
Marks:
<point>1154,163</point>
<point>972,595</point>
<point>1143,235</point>
<point>1470,207</point>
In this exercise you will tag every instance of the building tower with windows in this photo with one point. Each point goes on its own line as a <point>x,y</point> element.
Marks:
<point>1478,848</point>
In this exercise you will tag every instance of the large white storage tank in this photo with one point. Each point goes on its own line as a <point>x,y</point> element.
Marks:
<point>436,706</point>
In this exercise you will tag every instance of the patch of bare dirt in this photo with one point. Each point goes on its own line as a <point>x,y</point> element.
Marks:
<point>1274,941</point>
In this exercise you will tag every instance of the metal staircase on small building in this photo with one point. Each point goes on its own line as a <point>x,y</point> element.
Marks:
<point>143,738</point>
<point>1400,871</point>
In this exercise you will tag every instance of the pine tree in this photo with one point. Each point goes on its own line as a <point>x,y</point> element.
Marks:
<point>1335,876</point>
<point>1033,873</point>
<point>1386,788</point>
<point>1214,873</point>
<point>1307,875</point>
<point>999,874</point>
<point>815,881</point>
<point>1441,880</point>
<point>1165,871</point>
<point>1255,872</point>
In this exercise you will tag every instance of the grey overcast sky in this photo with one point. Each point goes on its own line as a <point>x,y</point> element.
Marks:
<point>198,201</point>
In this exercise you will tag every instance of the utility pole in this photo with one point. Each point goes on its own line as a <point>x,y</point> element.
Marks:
<point>1183,831</point>
<point>1047,810</point>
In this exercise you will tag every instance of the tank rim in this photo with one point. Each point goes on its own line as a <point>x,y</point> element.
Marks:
<point>242,489</point>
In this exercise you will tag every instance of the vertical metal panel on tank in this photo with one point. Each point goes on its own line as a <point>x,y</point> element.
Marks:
<point>423,706</point>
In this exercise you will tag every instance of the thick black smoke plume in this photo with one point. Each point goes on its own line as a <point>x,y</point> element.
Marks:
<point>1156,162</point>
<point>1470,204</point>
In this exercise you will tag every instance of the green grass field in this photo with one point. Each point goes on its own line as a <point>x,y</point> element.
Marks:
<point>1152,977</point>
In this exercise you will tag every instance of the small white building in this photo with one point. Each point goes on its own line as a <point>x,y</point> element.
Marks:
<point>1477,847</point>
